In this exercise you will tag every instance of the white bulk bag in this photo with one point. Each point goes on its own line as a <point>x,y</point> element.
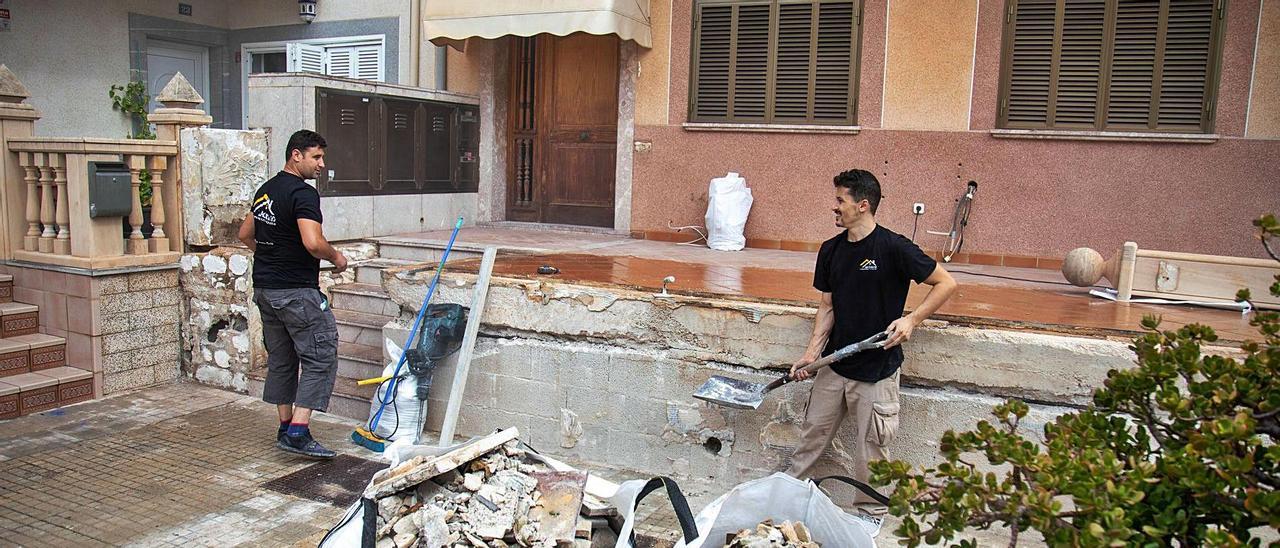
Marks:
<point>778,497</point>
<point>399,420</point>
<point>728,203</point>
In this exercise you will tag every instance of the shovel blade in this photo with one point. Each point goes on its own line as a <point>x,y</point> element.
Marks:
<point>729,392</point>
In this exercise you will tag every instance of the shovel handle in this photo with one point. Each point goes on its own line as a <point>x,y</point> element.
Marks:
<point>874,341</point>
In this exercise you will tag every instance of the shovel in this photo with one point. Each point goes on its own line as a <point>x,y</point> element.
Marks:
<point>740,394</point>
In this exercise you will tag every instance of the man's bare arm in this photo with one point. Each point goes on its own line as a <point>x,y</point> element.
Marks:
<point>822,324</point>
<point>318,247</point>
<point>943,286</point>
<point>246,233</point>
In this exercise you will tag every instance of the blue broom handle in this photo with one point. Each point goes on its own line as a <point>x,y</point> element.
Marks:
<point>389,393</point>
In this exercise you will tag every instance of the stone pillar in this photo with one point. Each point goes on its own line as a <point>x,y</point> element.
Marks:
<point>181,110</point>
<point>17,119</point>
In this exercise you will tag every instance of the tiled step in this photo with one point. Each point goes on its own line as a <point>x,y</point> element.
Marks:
<point>18,319</point>
<point>28,393</point>
<point>419,251</point>
<point>358,361</point>
<point>31,353</point>
<point>363,298</point>
<point>360,328</point>
<point>370,272</point>
<point>6,288</point>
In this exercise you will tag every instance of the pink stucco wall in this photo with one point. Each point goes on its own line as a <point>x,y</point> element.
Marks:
<point>1037,197</point>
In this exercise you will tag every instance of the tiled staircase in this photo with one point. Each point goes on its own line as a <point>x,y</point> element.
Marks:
<point>34,375</point>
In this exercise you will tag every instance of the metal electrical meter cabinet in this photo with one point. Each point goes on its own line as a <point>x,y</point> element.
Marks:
<point>109,190</point>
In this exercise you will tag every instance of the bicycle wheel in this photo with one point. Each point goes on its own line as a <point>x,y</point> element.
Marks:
<point>956,239</point>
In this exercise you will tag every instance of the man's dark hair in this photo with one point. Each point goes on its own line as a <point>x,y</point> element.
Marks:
<point>302,140</point>
<point>862,185</point>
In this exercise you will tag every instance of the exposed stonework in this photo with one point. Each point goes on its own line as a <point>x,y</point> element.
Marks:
<point>222,331</point>
<point>221,169</point>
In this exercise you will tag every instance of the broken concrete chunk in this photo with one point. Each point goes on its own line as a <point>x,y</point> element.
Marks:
<point>433,532</point>
<point>473,481</point>
<point>767,535</point>
<point>405,540</point>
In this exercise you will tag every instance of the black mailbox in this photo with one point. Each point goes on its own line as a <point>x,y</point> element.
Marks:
<point>109,190</point>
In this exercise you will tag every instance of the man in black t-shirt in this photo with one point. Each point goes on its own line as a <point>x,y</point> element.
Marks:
<point>301,336</point>
<point>864,274</point>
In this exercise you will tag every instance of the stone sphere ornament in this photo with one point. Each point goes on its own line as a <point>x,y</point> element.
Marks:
<point>1085,267</point>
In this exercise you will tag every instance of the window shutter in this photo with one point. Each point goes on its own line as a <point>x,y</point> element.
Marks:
<point>832,89</point>
<point>1185,71</point>
<point>715,35</point>
<point>368,63</point>
<point>1032,62</point>
<point>1133,64</point>
<point>341,62</point>
<point>1079,64</point>
<point>774,61</point>
<point>305,58</point>
<point>750,71</point>
<point>793,62</point>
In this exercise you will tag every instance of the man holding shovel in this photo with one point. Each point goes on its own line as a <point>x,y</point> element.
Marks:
<point>864,274</point>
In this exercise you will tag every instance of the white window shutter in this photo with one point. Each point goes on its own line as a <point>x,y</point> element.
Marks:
<point>368,65</point>
<point>341,62</point>
<point>305,58</point>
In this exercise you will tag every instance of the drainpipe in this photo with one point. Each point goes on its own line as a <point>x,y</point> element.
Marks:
<point>442,67</point>
<point>415,39</point>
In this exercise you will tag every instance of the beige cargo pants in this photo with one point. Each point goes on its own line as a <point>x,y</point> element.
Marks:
<point>873,410</point>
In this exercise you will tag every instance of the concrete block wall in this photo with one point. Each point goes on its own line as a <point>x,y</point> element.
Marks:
<point>605,376</point>
<point>123,327</point>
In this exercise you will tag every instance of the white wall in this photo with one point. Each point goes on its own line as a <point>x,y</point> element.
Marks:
<point>69,52</point>
<point>258,13</point>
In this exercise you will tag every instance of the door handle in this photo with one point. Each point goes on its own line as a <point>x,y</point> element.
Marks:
<point>583,136</point>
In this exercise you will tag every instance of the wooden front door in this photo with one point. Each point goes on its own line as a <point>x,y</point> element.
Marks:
<point>563,129</point>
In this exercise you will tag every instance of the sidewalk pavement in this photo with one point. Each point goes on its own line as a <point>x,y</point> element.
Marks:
<point>185,465</point>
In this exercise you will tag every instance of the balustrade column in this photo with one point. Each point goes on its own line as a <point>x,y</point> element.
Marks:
<point>136,244</point>
<point>159,242</point>
<point>62,211</point>
<point>31,241</point>
<point>46,204</point>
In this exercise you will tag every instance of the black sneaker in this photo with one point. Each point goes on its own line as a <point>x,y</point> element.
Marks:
<point>304,445</point>
<point>281,433</point>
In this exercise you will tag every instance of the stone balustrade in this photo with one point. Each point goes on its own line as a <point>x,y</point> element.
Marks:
<point>46,215</point>
<point>60,228</point>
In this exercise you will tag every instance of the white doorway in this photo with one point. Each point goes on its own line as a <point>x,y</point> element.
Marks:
<point>164,59</point>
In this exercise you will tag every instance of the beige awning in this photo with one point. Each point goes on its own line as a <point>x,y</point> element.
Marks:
<point>451,21</point>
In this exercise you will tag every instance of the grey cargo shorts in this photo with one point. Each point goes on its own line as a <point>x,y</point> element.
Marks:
<point>302,346</point>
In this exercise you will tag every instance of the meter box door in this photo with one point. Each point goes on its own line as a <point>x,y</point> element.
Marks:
<point>109,190</point>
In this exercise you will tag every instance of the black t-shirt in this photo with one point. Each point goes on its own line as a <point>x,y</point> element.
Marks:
<point>281,261</point>
<point>868,281</point>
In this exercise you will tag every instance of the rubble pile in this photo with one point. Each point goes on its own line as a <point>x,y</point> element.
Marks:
<point>501,498</point>
<point>791,534</point>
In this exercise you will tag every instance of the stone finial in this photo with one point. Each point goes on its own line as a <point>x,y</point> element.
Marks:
<point>178,93</point>
<point>11,89</point>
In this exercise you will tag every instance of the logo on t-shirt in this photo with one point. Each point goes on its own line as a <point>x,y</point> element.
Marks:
<point>263,211</point>
<point>867,264</point>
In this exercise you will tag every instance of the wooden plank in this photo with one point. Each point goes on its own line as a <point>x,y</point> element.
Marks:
<point>468,347</point>
<point>423,468</point>
<point>1204,278</point>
